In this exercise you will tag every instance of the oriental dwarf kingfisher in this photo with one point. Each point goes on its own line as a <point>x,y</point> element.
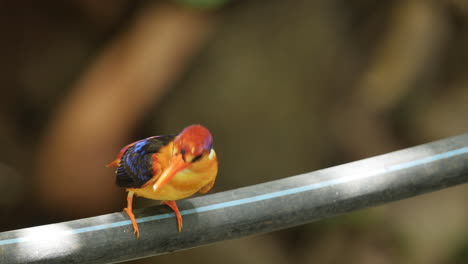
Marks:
<point>167,168</point>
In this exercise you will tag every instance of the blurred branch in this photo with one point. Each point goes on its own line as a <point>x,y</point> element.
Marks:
<point>407,54</point>
<point>131,75</point>
<point>414,39</point>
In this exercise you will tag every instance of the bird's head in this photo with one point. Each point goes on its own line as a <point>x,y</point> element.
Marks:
<point>192,145</point>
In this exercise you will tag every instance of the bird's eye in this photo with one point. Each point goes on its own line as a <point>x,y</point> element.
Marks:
<point>197,158</point>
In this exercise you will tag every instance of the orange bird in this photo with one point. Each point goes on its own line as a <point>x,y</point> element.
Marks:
<point>167,168</point>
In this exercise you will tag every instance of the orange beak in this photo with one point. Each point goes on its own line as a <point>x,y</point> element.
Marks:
<point>176,164</point>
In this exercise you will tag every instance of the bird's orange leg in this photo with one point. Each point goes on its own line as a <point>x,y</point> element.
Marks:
<point>173,206</point>
<point>130,214</point>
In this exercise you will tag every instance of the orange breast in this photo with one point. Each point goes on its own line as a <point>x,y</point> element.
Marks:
<point>185,183</point>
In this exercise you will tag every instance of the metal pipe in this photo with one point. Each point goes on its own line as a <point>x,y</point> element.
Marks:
<point>251,210</point>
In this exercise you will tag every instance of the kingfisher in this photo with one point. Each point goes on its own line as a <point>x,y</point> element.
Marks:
<point>167,168</point>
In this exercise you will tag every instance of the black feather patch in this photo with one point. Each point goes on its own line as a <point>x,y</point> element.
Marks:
<point>135,165</point>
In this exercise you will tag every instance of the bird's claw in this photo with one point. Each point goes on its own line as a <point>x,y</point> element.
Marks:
<point>136,231</point>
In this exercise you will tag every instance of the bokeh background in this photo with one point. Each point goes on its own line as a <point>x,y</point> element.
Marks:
<point>286,87</point>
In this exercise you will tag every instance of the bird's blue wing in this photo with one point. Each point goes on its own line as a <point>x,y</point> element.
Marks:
<point>135,167</point>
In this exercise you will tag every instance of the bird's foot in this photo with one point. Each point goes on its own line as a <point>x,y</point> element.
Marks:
<point>134,223</point>
<point>173,206</point>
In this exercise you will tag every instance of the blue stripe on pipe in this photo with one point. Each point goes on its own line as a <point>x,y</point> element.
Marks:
<point>262,197</point>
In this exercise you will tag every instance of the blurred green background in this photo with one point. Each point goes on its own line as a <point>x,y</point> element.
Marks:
<point>285,87</point>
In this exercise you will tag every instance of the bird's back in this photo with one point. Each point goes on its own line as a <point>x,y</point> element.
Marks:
<point>135,167</point>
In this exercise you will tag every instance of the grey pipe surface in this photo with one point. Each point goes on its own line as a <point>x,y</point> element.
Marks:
<point>254,209</point>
